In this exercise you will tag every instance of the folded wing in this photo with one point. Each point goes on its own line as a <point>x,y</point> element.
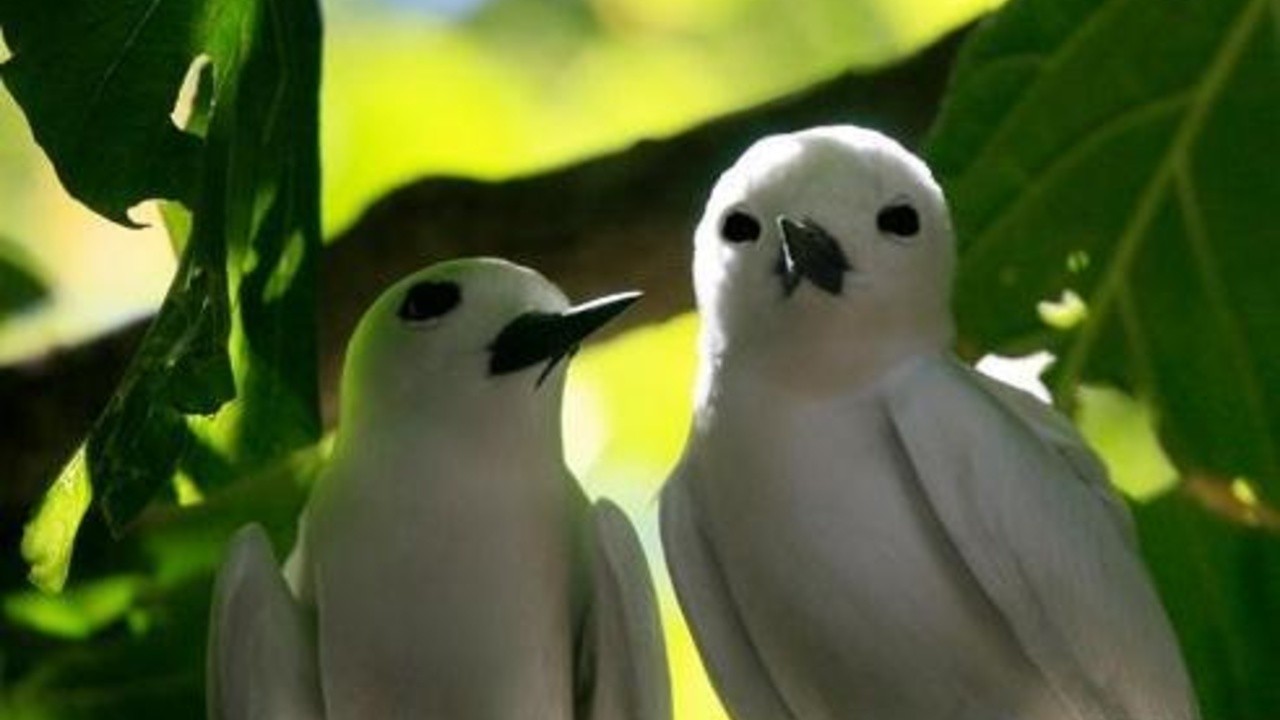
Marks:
<point>736,670</point>
<point>1027,506</point>
<point>261,660</point>
<point>625,655</point>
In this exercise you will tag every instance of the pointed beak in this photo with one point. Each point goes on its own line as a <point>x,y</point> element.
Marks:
<point>809,252</point>
<point>536,337</point>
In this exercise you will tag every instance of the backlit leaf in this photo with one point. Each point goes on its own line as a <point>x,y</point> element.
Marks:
<point>224,380</point>
<point>1124,150</point>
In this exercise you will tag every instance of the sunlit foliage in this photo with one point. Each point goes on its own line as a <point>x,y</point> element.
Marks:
<point>1112,199</point>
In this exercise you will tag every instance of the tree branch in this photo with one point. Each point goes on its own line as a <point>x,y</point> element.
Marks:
<point>619,221</point>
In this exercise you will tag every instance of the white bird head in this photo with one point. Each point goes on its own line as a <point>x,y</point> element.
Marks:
<point>822,253</point>
<point>465,339</point>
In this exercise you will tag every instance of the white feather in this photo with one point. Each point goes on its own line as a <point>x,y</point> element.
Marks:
<point>453,563</point>
<point>624,633</point>
<point>860,527</point>
<point>261,654</point>
<point>1050,545</point>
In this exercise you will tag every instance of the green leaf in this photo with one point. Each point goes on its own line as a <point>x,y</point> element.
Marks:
<point>181,368</point>
<point>182,543</point>
<point>253,242</point>
<point>237,324</point>
<point>76,614</point>
<point>98,81</point>
<point>152,669</point>
<point>1121,430</point>
<point>147,608</point>
<point>1221,585</point>
<point>19,287</point>
<point>1124,150</point>
<point>49,537</point>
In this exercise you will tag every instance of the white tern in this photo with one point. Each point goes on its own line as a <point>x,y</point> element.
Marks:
<point>448,566</point>
<point>861,525</point>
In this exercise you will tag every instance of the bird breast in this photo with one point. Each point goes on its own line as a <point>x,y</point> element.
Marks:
<point>846,582</point>
<point>453,600</point>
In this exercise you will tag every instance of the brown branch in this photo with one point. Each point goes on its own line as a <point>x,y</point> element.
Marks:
<point>1221,497</point>
<point>615,222</point>
<point>619,221</point>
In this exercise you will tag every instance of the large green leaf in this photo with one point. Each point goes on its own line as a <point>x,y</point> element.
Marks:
<point>1221,586</point>
<point>238,319</point>
<point>1124,150</point>
<point>98,80</point>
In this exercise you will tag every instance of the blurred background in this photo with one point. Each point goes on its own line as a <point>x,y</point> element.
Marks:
<point>485,89</point>
<point>478,88</point>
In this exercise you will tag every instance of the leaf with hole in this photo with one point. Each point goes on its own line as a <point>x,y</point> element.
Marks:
<point>224,379</point>
<point>98,82</point>
<point>1125,150</point>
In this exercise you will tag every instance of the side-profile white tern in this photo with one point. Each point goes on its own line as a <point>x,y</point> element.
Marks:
<point>862,526</point>
<point>448,566</point>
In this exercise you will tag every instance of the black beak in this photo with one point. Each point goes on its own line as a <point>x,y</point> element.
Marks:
<point>808,251</point>
<point>536,337</point>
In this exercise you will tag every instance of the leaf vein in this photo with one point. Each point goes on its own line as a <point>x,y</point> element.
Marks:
<point>1133,117</point>
<point>1207,91</point>
<point>1197,238</point>
<point>126,47</point>
<point>1051,60</point>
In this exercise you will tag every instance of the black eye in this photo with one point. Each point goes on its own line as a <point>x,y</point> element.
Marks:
<point>901,220</point>
<point>428,300</point>
<point>740,227</point>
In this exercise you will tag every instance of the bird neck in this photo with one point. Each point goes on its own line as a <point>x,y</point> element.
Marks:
<point>823,363</point>
<point>517,420</point>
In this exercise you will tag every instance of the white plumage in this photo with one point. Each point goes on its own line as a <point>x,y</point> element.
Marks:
<point>448,566</point>
<point>861,526</point>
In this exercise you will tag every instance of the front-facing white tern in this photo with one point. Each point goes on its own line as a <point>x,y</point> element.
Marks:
<point>448,565</point>
<point>861,525</point>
